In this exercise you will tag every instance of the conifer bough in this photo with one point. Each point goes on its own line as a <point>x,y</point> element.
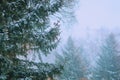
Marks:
<point>24,26</point>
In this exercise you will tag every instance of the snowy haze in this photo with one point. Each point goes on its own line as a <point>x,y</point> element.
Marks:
<point>95,19</point>
<point>97,15</point>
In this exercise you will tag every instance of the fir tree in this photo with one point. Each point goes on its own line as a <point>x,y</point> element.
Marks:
<point>25,26</point>
<point>108,67</point>
<point>73,65</point>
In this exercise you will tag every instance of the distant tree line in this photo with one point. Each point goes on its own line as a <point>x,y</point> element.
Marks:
<point>107,66</point>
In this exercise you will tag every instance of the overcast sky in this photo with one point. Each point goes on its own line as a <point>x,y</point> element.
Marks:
<point>95,20</point>
<point>96,16</point>
<point>97,13</point>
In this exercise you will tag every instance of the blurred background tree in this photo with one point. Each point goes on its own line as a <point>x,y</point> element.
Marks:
<point>108,67</point>
<point>75,67</point>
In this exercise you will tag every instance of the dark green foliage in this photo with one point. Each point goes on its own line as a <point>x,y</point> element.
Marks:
<point>24,68</point>
<point>108,67</point>
<point>26,23</point>
<point>25,26</point>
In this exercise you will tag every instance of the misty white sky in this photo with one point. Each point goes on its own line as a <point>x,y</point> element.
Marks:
<point>96,16</point>
<point>95,20</point>
<point>97,13</point>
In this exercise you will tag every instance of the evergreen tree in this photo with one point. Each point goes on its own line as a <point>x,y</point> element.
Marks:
<point>73,64</point>
<point>108,67</point>
<point>25,26</point>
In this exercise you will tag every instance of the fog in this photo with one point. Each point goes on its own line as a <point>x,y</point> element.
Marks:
<point>94,20</point>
